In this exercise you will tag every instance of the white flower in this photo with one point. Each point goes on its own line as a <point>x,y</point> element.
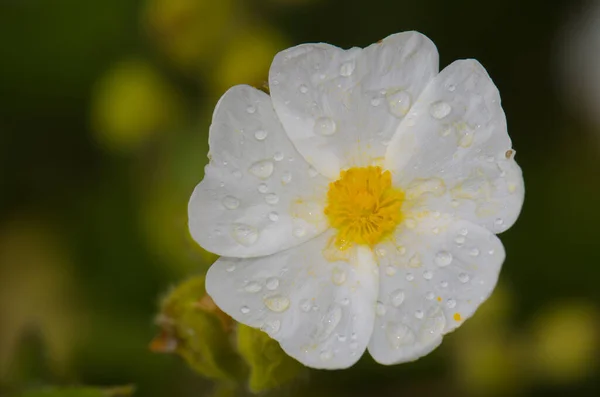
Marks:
<point>356,206</point>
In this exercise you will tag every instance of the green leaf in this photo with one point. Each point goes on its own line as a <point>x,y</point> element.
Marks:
<point>270,367</point>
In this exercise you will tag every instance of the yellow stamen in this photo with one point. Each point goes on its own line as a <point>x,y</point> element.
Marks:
<point>363,206</point>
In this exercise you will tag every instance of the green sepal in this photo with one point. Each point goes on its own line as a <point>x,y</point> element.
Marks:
<point>200,332</point>
<point>269,366</point>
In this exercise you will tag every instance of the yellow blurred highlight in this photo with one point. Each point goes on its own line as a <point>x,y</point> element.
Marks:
<point>247,58</point>
<point>190,32</point>
<point>132,103</point>
<point>487,355</point>
<point>565,342</point>
<point>36,293</point>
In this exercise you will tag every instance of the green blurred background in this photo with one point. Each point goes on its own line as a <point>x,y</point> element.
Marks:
<point>104,114</point>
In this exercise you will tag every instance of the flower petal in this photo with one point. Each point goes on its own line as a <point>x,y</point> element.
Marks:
<point>258,195</point>
<point>455,137</point>
<point>433,277</point>
<point>341,107</point>
<point>321,311</point>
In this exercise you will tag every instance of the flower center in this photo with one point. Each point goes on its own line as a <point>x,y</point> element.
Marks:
<point>363,206</point>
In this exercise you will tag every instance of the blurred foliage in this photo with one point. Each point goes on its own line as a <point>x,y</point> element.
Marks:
<point>104,116</point>
<point>125,391</point>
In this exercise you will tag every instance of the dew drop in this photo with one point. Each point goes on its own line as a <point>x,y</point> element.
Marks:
<point>286,177</point>
<point>410,277</point>
<point>375,102</point>
<point>230,268</point>
<point>419,314</point>
<point>499,222</point>
<point>329,322</point>
<point>345,301</point>
<point>443,258</point>
<point>399,335</point>
<point>262,169</point>
<point>272,283</point>
<point>399,103</point>
<point>390,270</point>
<point>272,198</point>
<point>397,297</point>
<point>312,172</point>
<point>463,278</point>
<point>325,126</point>
<point>273,216</point>
<point>271,327</point>
<point>230,202</point>
<point>299,232</point>
<point>305,305</point>
<point>429,296</point>
<point>278,156</point>
<point>347,68</point>
<point>474,252</point>
<point>244,234</point>
<point>245,309</point>
<point>338,276</point>
<point>237,174</point>
<point>380,309</point>
<point>451,303</point>
<point>460,240</point>
<point>277,303</point>
<point>263,188</point>
<point>342,338</point>
<point>253,287</point>
<point>326,355</point>
<point>250,109</point>
<point>303,88</point>
<point>443,284</point>
<point>414,261</point>
<point>261,135</point>
<point>427,275</point>
<point>440,109</point>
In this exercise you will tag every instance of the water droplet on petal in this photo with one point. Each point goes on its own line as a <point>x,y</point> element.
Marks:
<point>399,103</point>
<point>390,270</point>
<point>230,202</point>
<point>245,309</point>
<point>271,327</point>
<point>451,303</point>
<point>244,234</point>
<point>419,314</point>
<point>277,303</point>
<point>463,277</point>
<point>286,177</point>
<point>499,222</point>
<point>253,287</point>
<point>325,126</point>
<point>263,188</point>
<point>375,101</point>
<point>305,305</point>
<point>312,172</point>
<point>262,169</point>
<point>329,322</point>
<point>250,109</point>
<point>440,109</point>
<point>278,156</point>
<point>410,277</point>
<point>429,296</point>
<point>427,275</point>
<point>273,216</point>
<point>443,258</point>
<point>338,276</point>
<point>326,355</point>
<point>459,240</point>
<point>237,174</point>
<point>303,88</point>
<point>474,252</point>
<point>347,68</point>
<point>299,232</point>
<point>261,135</point>
<point>272,283</point>
<point>380,309</point>
<point>272,198</point>
<point>230,268</point>
<point>399,335</point>
<point>397,297</point>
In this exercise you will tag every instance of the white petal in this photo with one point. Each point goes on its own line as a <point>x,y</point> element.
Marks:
<point>456,133</point>
<point>259,195</point>
<point>433,277</point>
<point>340,107</point>
<point>320,311</point>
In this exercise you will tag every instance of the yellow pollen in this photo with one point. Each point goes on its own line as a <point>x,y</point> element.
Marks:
<point>363,206</point>
<point>457,317</point>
